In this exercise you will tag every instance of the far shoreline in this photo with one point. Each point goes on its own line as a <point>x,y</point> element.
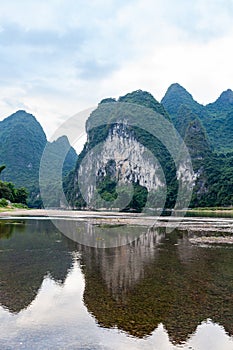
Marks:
<point>91,213</point>
<point>190,224</point>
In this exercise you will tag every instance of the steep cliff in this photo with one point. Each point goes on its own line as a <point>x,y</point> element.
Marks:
<point>123,164</point>
<point>120,161</point>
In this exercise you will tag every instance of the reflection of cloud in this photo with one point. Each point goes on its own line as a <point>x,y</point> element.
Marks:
<point>58,318</point>
<point>210,336</point>
<point>56,298</point>
<point>22,276</point>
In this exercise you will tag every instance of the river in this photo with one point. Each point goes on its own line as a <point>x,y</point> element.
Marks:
<point>154,289</point>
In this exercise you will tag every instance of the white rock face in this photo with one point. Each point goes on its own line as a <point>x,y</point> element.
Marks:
<point>132,162</point>
<point>186,174</point>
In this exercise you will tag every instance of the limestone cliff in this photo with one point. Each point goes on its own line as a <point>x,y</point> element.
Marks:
<point>124,159</point>
<point>133,159</point>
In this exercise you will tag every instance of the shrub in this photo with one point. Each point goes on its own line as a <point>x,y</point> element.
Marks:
<point>3,202</point>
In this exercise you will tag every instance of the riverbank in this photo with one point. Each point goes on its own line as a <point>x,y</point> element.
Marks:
<point>5,211</point>
<point>211,210</point>
<point>189,224</point>
<point>12,207</point>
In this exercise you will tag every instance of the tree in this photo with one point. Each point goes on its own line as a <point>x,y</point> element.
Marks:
<point>2,167</point>
<point>21,195</point>
<point>9,192</point>
<point>5,191</point>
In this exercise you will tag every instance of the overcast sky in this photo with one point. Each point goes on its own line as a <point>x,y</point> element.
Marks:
<point>59,57</point>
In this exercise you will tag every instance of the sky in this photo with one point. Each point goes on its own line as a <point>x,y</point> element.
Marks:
<point>59,57</point>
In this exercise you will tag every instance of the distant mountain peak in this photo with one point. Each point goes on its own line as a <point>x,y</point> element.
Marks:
<point>137,93</point>
<point>107,100</point>
<point>175,96</point>
<point>146,99</point>
<point>226,96</point>
<point>20,115</point>
<point>63,139</point>
<point>177,87</point>
<point>22,112</point>
<point>223,102</point>
<point>22,143</point>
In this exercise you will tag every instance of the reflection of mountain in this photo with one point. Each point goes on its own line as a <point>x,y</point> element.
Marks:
<point>99,235</point>
<point>5,230</point>
<point>155,279</point>
<point>138,286</point>
<point>34,251</point>
<point>122,268</point>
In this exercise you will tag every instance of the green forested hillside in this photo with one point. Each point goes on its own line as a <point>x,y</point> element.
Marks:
<point>221,127</point>
<point>107,184</point>
<point>222,105</point>
<point>177,96</point>
<point>210,148</point>
<point>145,99</point>
<point>206,130</point>
<point>50,186</point>
<point>216,117</point>
<point>22,142</point>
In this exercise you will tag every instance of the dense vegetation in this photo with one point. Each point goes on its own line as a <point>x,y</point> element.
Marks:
<point>217,117</point>
<point>22,142</point>
<point>51,186</point>
<point>9,193</point>
<point>106,186</point>
<point>208,145</point>
<point>207,132</point>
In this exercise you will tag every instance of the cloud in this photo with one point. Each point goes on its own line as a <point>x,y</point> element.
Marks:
<point>93,69</point>
<point>58,57</point>
<point>203,69</point>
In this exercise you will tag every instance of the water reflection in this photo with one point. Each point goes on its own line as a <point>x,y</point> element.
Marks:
<point>6,229</point>
<point>34,251</point>
<point>120,269</point>
<point>139,286</point>
<point>99,235</point>
<point>157,289</point>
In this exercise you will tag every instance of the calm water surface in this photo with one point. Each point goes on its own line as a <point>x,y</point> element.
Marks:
<point>158,292</point>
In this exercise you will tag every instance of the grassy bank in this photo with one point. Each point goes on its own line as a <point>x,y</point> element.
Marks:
<point>5,209</point>
<point>212,209</point>
<point>12,206</point>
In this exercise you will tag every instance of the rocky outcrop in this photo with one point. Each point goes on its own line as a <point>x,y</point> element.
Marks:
<point>127,160</point>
